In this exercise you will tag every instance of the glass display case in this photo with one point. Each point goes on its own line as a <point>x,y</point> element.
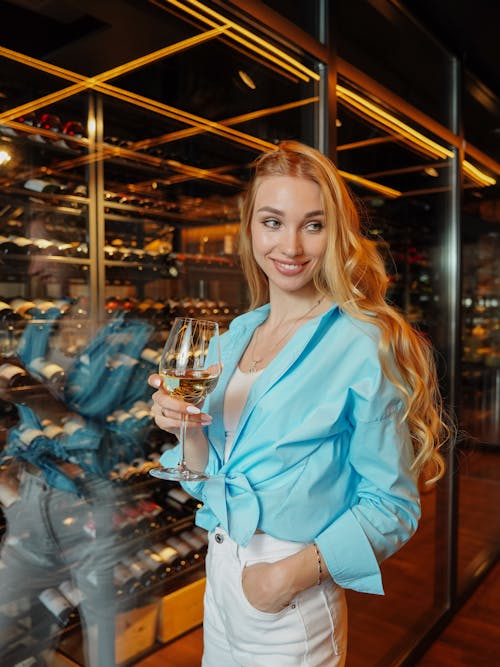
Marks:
<point>121,171</point>
<point>127,132</point>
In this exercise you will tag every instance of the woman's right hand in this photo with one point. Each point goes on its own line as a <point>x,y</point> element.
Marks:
<point>168,411</point>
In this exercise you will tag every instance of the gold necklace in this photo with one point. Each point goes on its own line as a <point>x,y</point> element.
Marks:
<point>254,363</point>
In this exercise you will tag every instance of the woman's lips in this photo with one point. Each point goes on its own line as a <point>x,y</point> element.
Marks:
<point>289,268</point>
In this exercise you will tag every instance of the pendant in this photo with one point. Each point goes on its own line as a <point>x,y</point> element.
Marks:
<point>253,366</point>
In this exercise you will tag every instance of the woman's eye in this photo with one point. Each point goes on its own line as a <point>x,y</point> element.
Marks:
<point>315,226</point>
<point>272,223</point>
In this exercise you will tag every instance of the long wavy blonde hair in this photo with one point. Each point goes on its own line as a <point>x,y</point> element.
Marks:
<point>353,274</point>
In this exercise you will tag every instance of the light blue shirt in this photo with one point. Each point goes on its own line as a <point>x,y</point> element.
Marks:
<point>319,453</point>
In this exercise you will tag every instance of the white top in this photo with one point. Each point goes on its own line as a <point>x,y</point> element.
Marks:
<point>235,398</point>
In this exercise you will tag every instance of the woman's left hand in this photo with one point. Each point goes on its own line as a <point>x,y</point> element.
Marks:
<point>265,587</point>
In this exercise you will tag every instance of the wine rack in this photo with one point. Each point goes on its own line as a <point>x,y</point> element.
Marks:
<point>107,219</point>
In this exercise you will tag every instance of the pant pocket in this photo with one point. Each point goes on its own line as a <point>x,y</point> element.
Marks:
<point>323,611</point>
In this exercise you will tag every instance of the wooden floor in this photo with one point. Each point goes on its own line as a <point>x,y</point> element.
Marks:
<point>472,639</point>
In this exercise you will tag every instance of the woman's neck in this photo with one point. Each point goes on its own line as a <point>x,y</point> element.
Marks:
<point>288,307</point>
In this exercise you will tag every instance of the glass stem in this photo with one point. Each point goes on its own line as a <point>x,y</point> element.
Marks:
<point>182,443</point>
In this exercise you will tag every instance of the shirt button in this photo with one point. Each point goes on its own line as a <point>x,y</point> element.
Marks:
<point>219,538</point>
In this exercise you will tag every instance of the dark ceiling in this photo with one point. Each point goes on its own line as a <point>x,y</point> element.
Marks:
<point>467,28</point>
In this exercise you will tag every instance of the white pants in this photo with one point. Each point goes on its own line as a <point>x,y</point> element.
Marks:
<point>310,632</point>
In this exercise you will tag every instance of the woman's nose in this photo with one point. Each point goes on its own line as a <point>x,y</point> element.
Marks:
<point>292,245</point>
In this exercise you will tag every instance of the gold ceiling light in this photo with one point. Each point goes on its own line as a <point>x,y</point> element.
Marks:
<point>476,175</point>
<point>235,120</point>
<point>371,185</point>
<point>244,37</point>
<point>84,83</point>
<point>373,112</point>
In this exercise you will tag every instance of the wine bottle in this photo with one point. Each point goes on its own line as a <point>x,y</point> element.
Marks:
<point>151,511</point>
<point>195,541</point>
<point>7,314</point>
<point>71,592</point>
<point>49,121</point>
<point>137,519</point>
<point>42,185</point>
<point>153,562</point>
<point>13,375</point>
<point>143,572</point>
<point>51,430</point>
<point>7,245</point>
<point>52,373</point>
<point>22,245</point>
<point>178,494</point>
<point>187,553</point>
<point>170,556</point>
<point>57,605</point>
<point>25,309</point>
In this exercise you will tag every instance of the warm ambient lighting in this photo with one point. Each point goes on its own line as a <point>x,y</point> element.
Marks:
<point>246,38</point>
<point>5,156</point>
<point>476,175</point>
<point>376,114</point>
<point>198,124</point>
<point>371,185</point>
<point>247,79</point>
<point>411,136</point>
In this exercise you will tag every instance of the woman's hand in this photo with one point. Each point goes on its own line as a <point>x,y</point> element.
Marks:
<point>265,587</point>
<point>168,411</point>
<point>270,587</point>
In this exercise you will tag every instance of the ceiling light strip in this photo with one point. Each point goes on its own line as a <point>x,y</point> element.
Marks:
<point>269,52</point>
<point>185,117</point>
<point>160,54</point>
<point>477,175</point>
<point>365,142</point>
<point>370,185</point>
<point>267,45</point>
<point>235,120</point>
<point>390,121</point>
<point>49,68</point>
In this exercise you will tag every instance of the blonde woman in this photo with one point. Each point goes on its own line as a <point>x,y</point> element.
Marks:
<point>326,415</point>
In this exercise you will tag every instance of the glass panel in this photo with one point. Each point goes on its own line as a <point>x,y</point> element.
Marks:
<point>368,36</point>
<point>481,111</point>
<point>403,179</point>
<point>141,220</point>
<point>478,462</point>
<point>304,14</point>
<point>479,400</point>
<point>178,160</point>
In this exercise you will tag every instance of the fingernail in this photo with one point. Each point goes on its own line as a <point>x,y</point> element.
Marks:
<point>206,421</point>
<point>193,410</point>
<point>156,383</point>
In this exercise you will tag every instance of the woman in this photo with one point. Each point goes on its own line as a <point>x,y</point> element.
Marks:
<point>326,413</point>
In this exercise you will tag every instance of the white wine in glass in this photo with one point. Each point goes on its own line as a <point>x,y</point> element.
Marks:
<point>189,372</point>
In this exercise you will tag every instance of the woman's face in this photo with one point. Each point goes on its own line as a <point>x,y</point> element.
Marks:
<point>288,232</point>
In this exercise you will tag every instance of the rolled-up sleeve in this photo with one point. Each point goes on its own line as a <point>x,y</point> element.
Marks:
<point>386,510</point>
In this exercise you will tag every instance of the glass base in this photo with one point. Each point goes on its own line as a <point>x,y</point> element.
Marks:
<point>178,474</point>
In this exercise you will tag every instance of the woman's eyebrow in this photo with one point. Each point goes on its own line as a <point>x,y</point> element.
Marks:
<point>270,209</point>
<point>277,211</point>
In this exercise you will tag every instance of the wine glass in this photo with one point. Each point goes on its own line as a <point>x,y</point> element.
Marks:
<point>190,372</point>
